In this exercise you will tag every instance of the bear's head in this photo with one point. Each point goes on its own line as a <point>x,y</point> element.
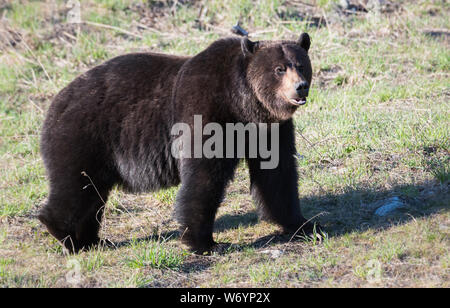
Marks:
<point>279,73</point>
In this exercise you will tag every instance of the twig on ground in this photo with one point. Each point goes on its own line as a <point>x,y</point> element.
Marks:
<point>40,64</point>
<point>96,24</point>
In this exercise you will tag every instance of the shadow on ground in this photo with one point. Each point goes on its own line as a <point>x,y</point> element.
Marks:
<point>338,214</point>
<point>354,210</point>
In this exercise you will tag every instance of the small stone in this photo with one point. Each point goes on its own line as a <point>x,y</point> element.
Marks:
<point>274,253</point>
<point>74,13</point>
<point>389,206</point>
<point>345,4</point>
<point>444,228</point>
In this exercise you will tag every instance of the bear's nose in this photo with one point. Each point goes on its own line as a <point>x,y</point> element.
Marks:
<point>302,88</point>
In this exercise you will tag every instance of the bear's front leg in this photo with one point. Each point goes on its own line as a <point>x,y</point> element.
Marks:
<point>203,183</point>
<point>275,190</point>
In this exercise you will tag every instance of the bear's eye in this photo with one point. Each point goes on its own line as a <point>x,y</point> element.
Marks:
<point>280,70</point>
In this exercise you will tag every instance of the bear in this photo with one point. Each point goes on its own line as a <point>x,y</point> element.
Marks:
<point>112,126</point>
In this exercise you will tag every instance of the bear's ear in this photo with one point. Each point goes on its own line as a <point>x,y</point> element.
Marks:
<point>248,47</point>
<point>304,41</point>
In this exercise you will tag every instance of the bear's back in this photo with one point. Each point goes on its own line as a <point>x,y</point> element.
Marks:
<point>109,113</point>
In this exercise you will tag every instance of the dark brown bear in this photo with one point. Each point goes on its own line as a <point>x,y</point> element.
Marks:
<point>112,126</point>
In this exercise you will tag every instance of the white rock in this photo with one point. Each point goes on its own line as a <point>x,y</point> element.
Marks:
<point>345,4</point>
<point>389,206</point>
<point>274,253</point>
<point>74,13</point>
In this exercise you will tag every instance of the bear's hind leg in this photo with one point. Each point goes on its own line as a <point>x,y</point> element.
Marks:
<point>73,215</point>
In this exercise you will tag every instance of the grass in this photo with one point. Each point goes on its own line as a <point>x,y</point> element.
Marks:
<point>156,255</point>
<point>376,126</point>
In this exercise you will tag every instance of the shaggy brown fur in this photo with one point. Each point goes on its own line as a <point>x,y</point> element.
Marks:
<point>113,124</point>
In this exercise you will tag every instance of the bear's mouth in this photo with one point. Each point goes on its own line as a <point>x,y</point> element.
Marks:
<point>298,102</point>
